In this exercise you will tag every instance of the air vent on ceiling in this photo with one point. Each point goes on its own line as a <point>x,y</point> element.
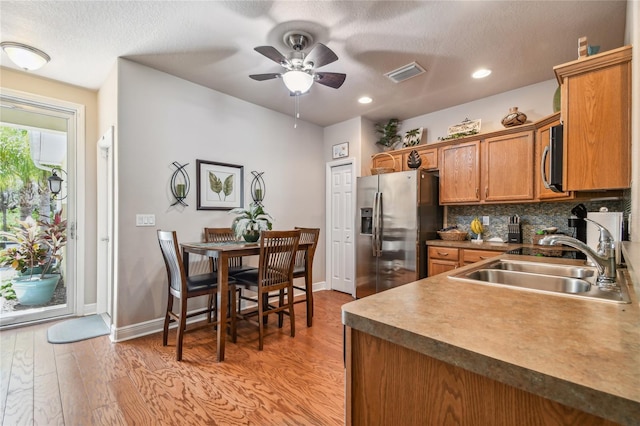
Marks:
<point>405,72</point>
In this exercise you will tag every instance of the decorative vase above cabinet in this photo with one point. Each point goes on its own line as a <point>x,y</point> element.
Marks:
<point>596,111</point>
<point>514,118</point>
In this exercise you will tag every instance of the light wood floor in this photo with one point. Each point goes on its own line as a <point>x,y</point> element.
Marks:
<point>294,381</point>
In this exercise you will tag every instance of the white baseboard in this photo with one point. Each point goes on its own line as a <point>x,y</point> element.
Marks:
<point>89,309</point>
<point>120,334</point>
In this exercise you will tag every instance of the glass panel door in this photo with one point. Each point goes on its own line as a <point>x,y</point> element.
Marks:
<point>36,140</point>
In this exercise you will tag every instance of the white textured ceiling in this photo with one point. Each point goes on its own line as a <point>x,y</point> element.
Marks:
<point>211,43</point>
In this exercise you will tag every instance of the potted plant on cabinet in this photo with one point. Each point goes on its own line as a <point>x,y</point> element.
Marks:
<point>249,222</point>
<point>36,255</point>
<point>389,136</point>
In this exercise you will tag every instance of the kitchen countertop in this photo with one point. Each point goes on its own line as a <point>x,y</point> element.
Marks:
<point>581,353</point>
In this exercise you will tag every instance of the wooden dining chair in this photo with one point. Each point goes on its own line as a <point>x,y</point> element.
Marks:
<point>275,273</point>
<point>307,235</point>
<point>221,235</point>
<point>184,287</point>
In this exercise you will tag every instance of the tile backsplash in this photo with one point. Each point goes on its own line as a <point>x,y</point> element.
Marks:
<point>532,216</point>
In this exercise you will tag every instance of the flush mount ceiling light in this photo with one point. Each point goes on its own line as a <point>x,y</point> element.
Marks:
<point>26,57</point>
<point>481,73</point>
<point>365,100</point>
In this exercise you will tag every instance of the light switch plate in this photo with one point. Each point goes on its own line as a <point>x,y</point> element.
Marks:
<point>485,220</point>
<point>145,220</point>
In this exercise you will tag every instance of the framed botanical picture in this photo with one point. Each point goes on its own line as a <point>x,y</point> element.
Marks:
<point>341,150</point>
<point>219,185</point>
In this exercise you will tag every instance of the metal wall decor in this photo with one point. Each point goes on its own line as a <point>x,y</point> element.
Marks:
<point>258,187</point>
<point>180,183</point>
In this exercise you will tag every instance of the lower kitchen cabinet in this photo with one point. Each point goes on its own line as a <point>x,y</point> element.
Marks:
<point>468,256</point>
<point>417,389</point>
<point>443,259</point>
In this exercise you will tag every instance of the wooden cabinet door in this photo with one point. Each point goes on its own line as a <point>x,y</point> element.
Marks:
<point>384,159</point>
<point>438,266</point>
<point>508,167</point>
<point>429,157</point>
<point>470,256</point>
<point>596,109</point>
<point>540,167</point>
<point>460,173</point>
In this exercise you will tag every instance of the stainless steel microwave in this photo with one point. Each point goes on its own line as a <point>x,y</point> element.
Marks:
<point>554,152</point>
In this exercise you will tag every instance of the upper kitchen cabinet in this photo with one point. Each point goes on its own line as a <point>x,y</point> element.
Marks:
<point>398,159</point>
<point>460,173</point>
<point>508,167</point>
<point>498,169</point>
<point>596,111</point>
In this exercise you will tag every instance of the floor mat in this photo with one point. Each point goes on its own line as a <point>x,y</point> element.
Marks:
<point>77,329</point>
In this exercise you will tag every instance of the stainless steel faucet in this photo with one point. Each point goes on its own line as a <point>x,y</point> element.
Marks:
<point>604,258</point>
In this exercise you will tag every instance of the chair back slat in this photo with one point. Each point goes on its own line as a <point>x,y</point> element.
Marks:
<point>173,260</point>
<point>307,235</point>
<point>221,235</point>
<point>277,256</point>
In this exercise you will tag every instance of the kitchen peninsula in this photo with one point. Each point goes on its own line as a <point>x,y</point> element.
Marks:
<point>439,351</point>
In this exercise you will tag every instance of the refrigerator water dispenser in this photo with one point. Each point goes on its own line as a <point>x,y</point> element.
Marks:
<point>366,220</point>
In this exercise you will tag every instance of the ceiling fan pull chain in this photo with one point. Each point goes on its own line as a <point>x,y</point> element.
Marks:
<point>296,113</point>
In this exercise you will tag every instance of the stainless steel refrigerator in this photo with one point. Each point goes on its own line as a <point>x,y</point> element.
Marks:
<point>397,214</point>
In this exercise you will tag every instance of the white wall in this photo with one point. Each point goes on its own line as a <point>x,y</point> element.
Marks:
<point>162,119</point>
<point>536,101</point>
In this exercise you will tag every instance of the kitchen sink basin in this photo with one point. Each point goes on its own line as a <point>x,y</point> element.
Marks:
<point>529,280</point>
<point>545,268</point>
<point>551,278</point>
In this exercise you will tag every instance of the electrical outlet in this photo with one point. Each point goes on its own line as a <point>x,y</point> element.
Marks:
<point>485,220</point>
<point>145,220</point>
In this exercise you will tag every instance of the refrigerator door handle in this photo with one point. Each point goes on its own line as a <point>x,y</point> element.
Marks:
<point>374,236</point>
<point>378,225</point>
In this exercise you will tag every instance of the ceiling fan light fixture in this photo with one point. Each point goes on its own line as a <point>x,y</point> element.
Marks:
<point>26,57</point>
<point>297,82</point>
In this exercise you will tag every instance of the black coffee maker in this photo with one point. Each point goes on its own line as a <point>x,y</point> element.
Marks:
<point>576,221</point>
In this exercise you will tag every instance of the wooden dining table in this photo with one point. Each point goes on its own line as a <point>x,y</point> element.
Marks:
<point>223,251</point>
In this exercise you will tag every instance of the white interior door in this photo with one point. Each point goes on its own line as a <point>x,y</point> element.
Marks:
<point>341,247</point>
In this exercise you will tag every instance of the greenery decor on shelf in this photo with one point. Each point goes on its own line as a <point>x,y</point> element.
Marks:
<point>457,135</point>
<point>388,133</point>
<point>250,222</point>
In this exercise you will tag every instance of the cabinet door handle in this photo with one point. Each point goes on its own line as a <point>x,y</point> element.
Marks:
<point>443,254</point>
<point>486,191</point>
<point>477,193</point>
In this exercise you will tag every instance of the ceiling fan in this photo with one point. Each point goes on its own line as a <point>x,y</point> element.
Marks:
<point>300,68</point>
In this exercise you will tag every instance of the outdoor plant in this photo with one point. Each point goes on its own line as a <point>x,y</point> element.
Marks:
<point>388,133</point>
<point>252,219</point>
<point>39,244</point>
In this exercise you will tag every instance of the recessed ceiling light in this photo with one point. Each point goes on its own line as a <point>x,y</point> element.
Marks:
<point>481,73</point>
<point>365,100</point>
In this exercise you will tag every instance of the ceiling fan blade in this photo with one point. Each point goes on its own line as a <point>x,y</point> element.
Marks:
<point>331,79</point>
<point>272,53</point>
<point>320,56</point>
<point>262,77</point>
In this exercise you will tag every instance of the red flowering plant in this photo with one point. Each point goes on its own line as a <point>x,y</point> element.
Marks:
<point>39,244</point>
